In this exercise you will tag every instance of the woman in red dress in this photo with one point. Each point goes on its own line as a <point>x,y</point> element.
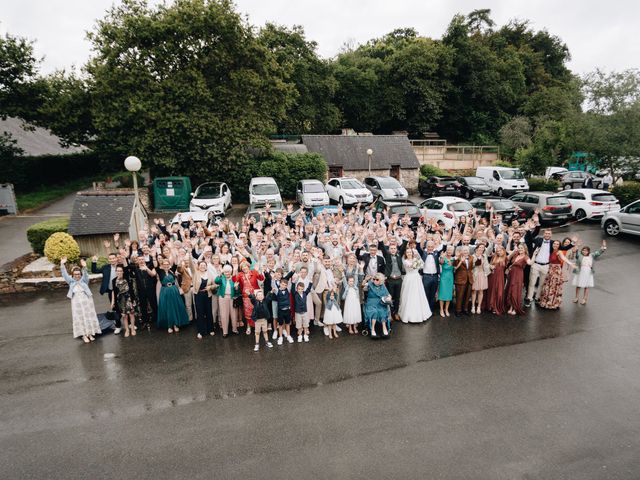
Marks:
<point>515,279</point>
<point>551,295</point>
<point>248,280</point>
<point>495,292</point>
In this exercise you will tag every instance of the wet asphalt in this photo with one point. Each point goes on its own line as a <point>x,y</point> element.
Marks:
<point>551,395</point>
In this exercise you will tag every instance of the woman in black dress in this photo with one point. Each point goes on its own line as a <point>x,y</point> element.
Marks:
<point>203,286</point>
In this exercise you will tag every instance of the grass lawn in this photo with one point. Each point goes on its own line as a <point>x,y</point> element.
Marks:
<point>40,197</point>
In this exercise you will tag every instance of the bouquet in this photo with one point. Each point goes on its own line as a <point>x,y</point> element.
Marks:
<point>417,263</point>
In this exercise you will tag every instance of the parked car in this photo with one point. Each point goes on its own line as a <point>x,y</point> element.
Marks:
<point>348,191</point>
<point>471,187</point>
<point>503,206</point>
<point>256,211</point>
<point>576,179</point>
<point>554,173</point>
<point>504,181</point>
<point>311,193</point>
<point>263,190</point>
<point>387,188</point>
<point>446,210</point>
<point>590,202</point>
<point>626,220</point>
<point>435,186</point>
<point>212,196</point>
<point>400,207</point>
<point>205,217</point>
<point>309,213</point>
<point>552,208</point>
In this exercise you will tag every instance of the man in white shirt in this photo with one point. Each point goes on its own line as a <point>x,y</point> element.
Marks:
<point>540,266</point>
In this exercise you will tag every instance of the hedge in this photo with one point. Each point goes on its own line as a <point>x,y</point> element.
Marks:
<point>627,192</point>
<point>126,179</point>
<point>61,245</point>
<point>433,171</point>
<point>537,184</point>
<point>38,233</point>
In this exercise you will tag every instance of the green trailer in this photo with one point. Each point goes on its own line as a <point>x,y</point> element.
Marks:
<point>171,194</point>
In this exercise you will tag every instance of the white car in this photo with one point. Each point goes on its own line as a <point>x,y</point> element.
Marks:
<point>590,202</point>
<point>204,216</point>
<point>348,191</point>
<point>447,210</point>
<point>626,220</point>
<point>263,190</point>
<point>387,188</point>
<point>311,193</point>
<point>211,196</point>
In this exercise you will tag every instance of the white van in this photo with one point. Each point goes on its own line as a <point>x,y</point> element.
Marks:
<point>504,181</point>
<point>263,190</point>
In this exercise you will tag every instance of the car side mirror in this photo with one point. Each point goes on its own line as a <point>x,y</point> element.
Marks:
<point>191,194</point>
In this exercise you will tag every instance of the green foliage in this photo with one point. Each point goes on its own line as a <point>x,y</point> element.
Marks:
<point>627,192</point>
<point>504,163</point>
<point>183,86</point>
<point>60,245</point>
<point>313,86</point>
<point>432,171</point>
<point>38,233</point>
<point>126,179</point>
<point>515,134</point>
<point>286,168</point>
<point>541,184</point>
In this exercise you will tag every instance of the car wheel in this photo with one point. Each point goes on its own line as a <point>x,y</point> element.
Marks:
<point>500,192</point>
<point>580,214</point>
<point>611,228</point>
<point>341,202</point>
<point>566,186</point>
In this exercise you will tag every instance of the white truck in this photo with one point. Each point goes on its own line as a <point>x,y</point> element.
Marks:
<point>504,181</point>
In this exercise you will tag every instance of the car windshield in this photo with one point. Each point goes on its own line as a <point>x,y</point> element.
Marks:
<point>604,197</point>
<point>412,210</point>
<point>265,189</point>
<point>474,181</point>
<point>313,188</point>
<point>208,191</point>
<point>558,201</point>
<point>351,185</point>
<point>389,183</point>
<point>514,174</point>
<point>460,207</point>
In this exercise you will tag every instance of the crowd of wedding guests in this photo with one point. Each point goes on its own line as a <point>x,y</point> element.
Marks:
<point>278,275</point>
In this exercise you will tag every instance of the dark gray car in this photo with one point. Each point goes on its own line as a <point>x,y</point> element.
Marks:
<point>576,180</point>
<point>552,208</point>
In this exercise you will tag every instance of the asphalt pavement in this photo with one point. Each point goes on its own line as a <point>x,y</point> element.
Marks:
<point>550,395</point>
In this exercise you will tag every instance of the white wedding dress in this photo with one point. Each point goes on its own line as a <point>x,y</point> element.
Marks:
<point>414,306</point>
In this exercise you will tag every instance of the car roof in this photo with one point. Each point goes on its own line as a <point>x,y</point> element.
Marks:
<point>398,202</point>
<point>447,199</point>
<point>209,183</point>
<point>311,180</point>
<point>343,178</point>
<point>200,216</point>
<point>378,177</point>
<point>542,194</point>
<point>263,180</point>
<point>586,190</point>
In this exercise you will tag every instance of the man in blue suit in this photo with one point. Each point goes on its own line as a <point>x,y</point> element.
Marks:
<point>430,272</point>
<point>108,274</point>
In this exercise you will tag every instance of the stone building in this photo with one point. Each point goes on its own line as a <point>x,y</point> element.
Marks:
<point>346,156</point>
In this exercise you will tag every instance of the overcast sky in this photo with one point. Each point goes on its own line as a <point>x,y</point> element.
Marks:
<point>599,33</point>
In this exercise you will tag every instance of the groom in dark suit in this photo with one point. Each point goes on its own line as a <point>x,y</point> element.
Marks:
<point>108,274</point>
<point>393,270</point>
<point>430,272</point>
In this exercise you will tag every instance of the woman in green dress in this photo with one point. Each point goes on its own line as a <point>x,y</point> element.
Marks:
<point>445,289</point>
<point>172,313</point>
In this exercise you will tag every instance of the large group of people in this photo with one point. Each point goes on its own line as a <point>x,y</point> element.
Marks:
<point>356,270</point>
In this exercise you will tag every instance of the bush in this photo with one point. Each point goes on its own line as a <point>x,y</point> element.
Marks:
<point>503,163</point>
<point>432,171</point>
<point>60,245</point>
<point>38,233</point>
<point>126,179</point>
<point>627,192</point>
<point>538,184</point>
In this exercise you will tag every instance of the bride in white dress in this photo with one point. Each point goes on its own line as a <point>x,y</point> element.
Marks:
<point>414,306</point>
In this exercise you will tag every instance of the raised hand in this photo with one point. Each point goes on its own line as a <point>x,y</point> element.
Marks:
<point>83,263</point>
<point>94,259</point>
<point>107,244</point>
<point>63,260</point>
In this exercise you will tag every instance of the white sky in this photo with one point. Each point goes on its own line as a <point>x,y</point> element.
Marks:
<point>598,33</point>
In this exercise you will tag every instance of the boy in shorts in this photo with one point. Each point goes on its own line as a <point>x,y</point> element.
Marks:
<point>300,306</point>
<point>260,316</point>
<point>283,298</point>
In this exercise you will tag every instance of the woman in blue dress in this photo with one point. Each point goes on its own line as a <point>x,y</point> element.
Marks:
<point>376,309</point>
<point>172,313</point>
<point>445,289</point>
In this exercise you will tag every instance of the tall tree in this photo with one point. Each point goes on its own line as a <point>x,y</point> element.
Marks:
<point>187,87</point>
<point>312,109</point>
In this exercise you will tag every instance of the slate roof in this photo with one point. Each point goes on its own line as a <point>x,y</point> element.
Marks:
<point>95,214</point>
<point>350,151</point>
<point>36,141</point>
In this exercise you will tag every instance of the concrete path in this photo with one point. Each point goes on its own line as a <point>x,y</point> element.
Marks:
<point>13,230</point>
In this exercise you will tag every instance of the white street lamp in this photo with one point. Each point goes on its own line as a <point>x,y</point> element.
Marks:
<point>369,154</point>
<point>133,164</point>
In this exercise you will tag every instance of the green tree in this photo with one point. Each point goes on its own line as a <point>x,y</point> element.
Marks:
<point>186,87</point>
<point>313,109</point>
<point>515,134</point>
<point>19,89</point>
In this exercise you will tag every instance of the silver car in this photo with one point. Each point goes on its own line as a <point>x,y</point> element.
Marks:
<point>386,188</point>
<point>625,220</point>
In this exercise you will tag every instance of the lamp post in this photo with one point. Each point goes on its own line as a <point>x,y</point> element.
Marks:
<point>133,164</point>
<point>369,154</point>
